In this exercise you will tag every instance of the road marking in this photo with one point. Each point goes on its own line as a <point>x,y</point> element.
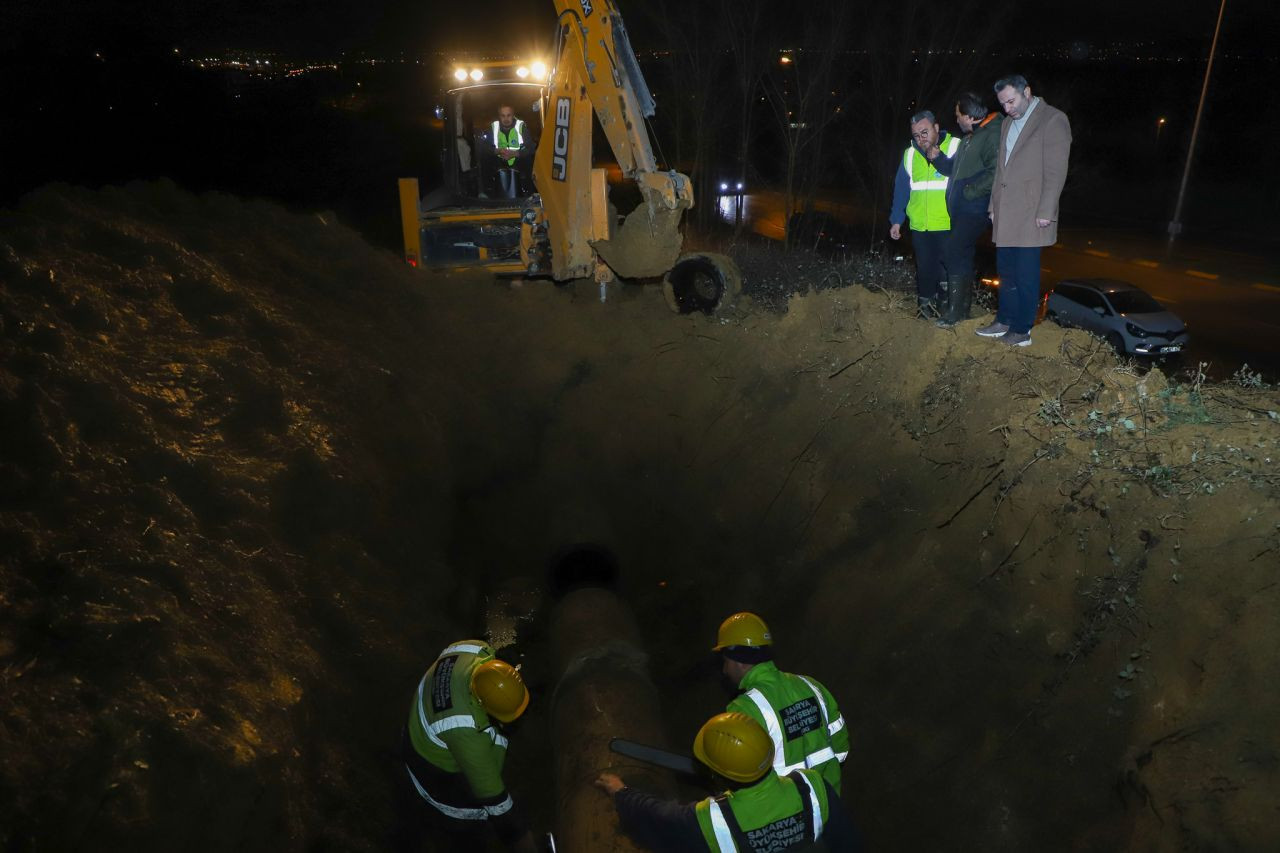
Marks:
<point>1097,253</point>
<point>1270,288</point>
<point>1143,263</point>
<point>1210,276</point>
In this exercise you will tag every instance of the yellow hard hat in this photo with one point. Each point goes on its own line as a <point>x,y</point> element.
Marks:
<point>500,689</point>
<point>743,629</point>
<point>735,746</point>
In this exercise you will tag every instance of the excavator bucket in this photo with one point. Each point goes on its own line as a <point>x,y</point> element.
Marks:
<point>646,245</point>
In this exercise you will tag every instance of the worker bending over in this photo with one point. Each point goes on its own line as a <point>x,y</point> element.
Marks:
<point>760,811</point>
<point>799,714</point>
<point>453,748</point>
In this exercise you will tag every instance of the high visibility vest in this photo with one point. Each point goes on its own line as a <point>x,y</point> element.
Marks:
<point>513,138</point>
<point>927,205</point>
<point>773,814</point>
<point>801,718</point>
<point>443,702</point>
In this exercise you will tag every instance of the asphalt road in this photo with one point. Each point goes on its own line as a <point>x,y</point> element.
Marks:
<point>1230,300</point>
<point>1231,309</point>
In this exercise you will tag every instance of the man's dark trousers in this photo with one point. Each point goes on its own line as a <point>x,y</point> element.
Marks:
<point>1019,269</point>
<point>930,248</point>
<point>966,228</point>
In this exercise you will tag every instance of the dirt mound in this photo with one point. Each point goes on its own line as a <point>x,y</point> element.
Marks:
<point>254,473</point>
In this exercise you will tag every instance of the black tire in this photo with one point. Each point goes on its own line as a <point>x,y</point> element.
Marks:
<point>705,282</point>
<point>1117,343</point>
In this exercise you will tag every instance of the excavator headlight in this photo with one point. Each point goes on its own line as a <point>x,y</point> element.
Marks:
<point>477,75</point>
<point>459,74</point>
<point>539,70</point>
<point>522,72</point>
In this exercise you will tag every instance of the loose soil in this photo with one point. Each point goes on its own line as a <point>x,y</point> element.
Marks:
<point>254,473</point>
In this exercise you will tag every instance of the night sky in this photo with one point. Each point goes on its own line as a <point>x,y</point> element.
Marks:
<point>327,26</point>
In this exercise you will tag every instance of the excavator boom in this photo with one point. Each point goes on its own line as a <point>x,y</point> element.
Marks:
<point>572,232</point>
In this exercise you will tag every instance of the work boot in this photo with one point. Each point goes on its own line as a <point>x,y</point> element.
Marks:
<point>994,330</point>
<point>959,298</point>
<point>926,309</point>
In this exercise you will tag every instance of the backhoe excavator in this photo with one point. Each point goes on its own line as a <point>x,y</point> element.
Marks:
<point>567,228</point>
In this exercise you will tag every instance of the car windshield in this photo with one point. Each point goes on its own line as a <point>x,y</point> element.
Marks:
<point>1133,302</point>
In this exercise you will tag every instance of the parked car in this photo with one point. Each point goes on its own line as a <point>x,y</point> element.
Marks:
<point>1125,315</point>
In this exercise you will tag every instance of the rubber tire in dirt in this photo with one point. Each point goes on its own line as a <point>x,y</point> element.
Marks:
<point>704,282</point>
<point>1117,343</point>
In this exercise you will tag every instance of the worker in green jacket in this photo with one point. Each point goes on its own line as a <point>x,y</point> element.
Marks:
<point>800,715</point>
<point>760,811</point>
<point>453,747</point>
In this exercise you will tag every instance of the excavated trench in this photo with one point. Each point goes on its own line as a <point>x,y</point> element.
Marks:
<point>257,474</point>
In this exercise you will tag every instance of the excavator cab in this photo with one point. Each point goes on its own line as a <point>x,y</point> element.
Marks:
<point>472,217</point>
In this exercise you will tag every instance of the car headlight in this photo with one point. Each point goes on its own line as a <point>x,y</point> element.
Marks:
<point>1136,331</point>
<point>724,187</point>
<point>539,70</point>
<point>459,74</point>
<point>477,75</point>
<point>522,72</point>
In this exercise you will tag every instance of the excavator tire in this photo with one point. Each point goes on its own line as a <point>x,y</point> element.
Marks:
<point>703,282</point>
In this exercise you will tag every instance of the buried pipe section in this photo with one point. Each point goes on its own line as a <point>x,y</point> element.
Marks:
<point>602,691</point>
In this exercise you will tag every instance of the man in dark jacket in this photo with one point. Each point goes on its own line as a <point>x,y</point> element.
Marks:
<point>970,173</point>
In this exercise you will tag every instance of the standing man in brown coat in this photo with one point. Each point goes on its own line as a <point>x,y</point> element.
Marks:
<point>1031,167</point>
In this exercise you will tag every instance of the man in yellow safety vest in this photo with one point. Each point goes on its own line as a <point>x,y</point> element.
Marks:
<point>920,195</point>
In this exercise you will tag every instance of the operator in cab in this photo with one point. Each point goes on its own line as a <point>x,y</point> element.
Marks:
<point>512,152</point>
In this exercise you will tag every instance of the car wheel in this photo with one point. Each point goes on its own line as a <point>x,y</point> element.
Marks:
<point>1116,342</point>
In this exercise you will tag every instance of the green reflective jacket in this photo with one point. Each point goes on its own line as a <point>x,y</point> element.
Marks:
<point>773,814</point>
<point>927,205</point>
<point>449,727</point>
<point>801,717</point>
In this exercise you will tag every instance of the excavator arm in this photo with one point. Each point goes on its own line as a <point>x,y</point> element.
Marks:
<point>570,230</point>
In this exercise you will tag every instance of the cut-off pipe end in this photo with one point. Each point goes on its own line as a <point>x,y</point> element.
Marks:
<point>583,564</point>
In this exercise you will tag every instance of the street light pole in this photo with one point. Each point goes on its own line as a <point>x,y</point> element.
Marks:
<point>1175,226</point>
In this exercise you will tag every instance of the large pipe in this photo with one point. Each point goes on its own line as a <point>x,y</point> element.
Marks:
<point>602,691</point>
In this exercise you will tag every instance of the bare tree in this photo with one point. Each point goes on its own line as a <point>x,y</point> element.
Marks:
<point>800,87</point>
<point>743,28</point>
<point>914,55</point>
<point>695,61</point>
